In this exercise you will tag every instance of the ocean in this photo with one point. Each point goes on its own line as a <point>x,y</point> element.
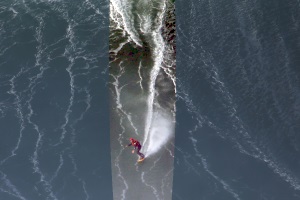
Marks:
<point>211,89</point>
<point>142,97</point>
<point>237,125</point>
<point>53,100</point>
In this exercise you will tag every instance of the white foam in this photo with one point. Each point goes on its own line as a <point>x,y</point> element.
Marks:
<point>162,129</point>
<point>158,56</point>
<point>123,8</point>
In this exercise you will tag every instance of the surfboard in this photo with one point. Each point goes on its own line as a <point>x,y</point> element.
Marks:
<point>141,160</point>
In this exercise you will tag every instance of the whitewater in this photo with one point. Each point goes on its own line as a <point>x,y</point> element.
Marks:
<point>142,85</point>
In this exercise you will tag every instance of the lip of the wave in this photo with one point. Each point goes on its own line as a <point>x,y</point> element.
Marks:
<point>122,8</point>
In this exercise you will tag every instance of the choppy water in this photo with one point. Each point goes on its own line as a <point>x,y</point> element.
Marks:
<point>238,103</point>
<point>237,111</point>
<point>53,101</point>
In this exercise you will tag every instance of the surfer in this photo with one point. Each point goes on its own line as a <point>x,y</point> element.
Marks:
<point>137,146</point>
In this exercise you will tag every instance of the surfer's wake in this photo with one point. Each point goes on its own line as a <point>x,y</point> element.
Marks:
<point>161,131</point>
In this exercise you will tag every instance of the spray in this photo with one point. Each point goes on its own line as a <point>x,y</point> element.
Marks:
<point>162,129</point>
<point>158,51</point>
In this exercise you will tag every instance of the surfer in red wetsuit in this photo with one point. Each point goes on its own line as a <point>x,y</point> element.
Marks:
<point>137,146</point>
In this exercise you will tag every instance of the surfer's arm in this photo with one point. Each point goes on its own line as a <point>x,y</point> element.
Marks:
<point>129,145</point>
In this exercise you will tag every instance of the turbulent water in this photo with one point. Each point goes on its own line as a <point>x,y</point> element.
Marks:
<point>53,101</point>
<point>142,85</point>
<point>238,108</point>
<point>79,78</point>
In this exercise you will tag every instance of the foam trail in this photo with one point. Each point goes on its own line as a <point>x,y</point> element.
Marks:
<point>61,163</point>
<point>35,157</point>
<point>87,196</point>
<point>122,7</point>
<point>253,150</point>
<point>158,59</point>
<point>121,45</point>
<point>117,160</point>
<point>19,114</point>
<point>42,67</point>
<point>141,78</point>
<point>164,182</point>
<point>155,192</point>
<point>14,191</point>
<point>87,101</point>
<point>118,90</point>
<point>120,112</point>
<point>225,185</point>
<point>162,129</point>
<point>70,35</point>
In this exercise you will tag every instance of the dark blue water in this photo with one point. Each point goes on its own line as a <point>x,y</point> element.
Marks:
<point>237,133</point>
<point>237,109</point>
<point>53,100</point>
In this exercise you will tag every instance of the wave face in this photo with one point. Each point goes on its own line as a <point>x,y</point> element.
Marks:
<point>54,131</point>
<point>238,86</point>
<point>142,96</point>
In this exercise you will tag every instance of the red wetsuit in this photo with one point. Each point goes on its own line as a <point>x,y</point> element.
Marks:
<point>137,146</point>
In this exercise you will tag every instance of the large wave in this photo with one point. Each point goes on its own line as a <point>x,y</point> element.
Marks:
<point>142,71</point>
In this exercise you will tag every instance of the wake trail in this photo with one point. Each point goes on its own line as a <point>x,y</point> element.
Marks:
<point>158,56</point>
<point>13,189</point>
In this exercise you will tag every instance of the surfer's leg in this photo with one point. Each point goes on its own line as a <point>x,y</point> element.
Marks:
<point>139,153</point>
